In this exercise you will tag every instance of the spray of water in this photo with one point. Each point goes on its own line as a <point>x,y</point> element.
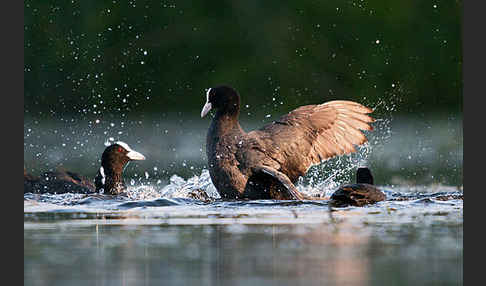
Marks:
<point>177,187</point>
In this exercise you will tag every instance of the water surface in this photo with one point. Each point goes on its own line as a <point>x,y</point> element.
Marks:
<point>159,235</point>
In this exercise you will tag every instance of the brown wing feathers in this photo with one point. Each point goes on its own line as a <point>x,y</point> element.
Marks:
<point>341,131</point>
<point>328,129</point>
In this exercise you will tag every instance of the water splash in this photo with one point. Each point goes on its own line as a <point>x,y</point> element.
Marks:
<point>177,187</point>
<point>322,180</point>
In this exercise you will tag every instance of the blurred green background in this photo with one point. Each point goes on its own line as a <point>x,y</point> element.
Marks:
<point>137,71</point>
<point>159,56</point>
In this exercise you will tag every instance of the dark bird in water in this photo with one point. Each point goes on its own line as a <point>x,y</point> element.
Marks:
<point>359,194</point>
<point>266,163</point>
<point>108,180</point>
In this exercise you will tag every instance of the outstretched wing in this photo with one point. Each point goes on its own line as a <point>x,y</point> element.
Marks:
<point>311,134</point>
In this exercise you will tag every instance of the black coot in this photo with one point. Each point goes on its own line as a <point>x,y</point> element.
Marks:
<point>108,180</point>
<point>359,194</point>
<point>265,163</point>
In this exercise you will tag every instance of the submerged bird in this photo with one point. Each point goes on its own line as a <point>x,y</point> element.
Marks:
<point>108,180</point>
<point>266,163</point>
<point>359,194</point>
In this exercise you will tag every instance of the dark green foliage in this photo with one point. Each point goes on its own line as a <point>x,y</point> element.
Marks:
<point>79,53</point>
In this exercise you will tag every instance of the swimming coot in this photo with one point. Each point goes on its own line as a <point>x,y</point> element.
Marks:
<point>265,163</point>
<point>359,194</point>
<point>108,180</point>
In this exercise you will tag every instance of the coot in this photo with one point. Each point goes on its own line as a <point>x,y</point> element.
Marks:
<point>359,194</point>
<point>266,163</point>
<point>108,180</point>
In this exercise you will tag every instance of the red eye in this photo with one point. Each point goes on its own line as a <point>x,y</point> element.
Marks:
<point>120,149</point>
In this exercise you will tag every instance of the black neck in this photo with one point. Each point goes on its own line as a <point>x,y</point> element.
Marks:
<point>112,183</point>
<point>222,126</point>
<point>225,120</point>
<point>363,176</point>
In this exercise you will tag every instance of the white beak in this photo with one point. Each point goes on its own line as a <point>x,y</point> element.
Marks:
<point>206,109</point>
<point>134,155</point>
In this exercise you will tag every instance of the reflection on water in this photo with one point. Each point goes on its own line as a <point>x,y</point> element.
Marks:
<point>414,237</point>
<point>261,243</point>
